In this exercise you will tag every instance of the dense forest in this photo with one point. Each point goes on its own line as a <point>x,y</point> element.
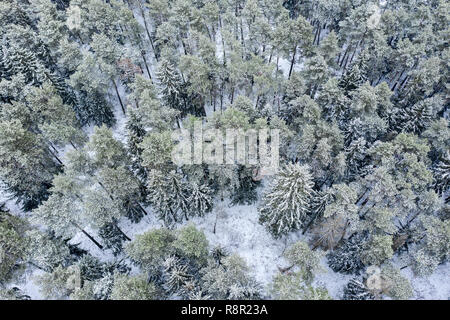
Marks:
<point>92,207</point>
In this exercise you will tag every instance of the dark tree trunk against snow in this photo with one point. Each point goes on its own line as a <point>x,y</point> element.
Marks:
<point>122,233</point>
<point>292,62</point>
<point>184,47</point>
<point>403,84</point>
<point>242,36</point>
<point>55,156</point>
<point>362,196</point>
<point>353,54</point>
<point>344,56</point>
<point>148,32</point>
<point>146,65</point>
<point>345,64</point>
<point>221,95</point>
<point>316,33</point>
<point>73,145</point>
<point>104,188</point>
<point>118,96</point>
<point>142,209</point>
<point>213,97</point>
<point>88,235</point>
<point>398,79</point>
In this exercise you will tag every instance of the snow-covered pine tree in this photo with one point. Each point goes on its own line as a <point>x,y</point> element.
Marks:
<point>112,238</point>
<point>316,73</point>
<point>377,250</point>
<point>168,194</point>
<point>137,287</point>
<point>230,280</point>
<point>45,251</point>
<point>99,209</point>
<point>353,79</point>
<point>442,175</point>
<point>59,283</point>
<point>333,100</point>
<point>318,205</point>
<point>21,148</point>
<point>135,135</point>
<point>246,191</point>
<point>340,216</point>
<point>304,260</point>
<point>357,290</point>
<point>347,257</point>
<point>415,118</point>
<point>177,274</point>
<point>170,83</point>
<point>106,151</point>
<point>357,157</point>
<point>13,244</point>
<point>16,60</point>
<point>388,280</point>
<point>286,205</point>
<point>91,86</point>
<point>191,244</point>
<point>291,286</point>
<point>53,119</point>
<point>149,249</point>
<point>438,135</point>
<point>435,246</point>
<point>294,87</point>
<point>329,49</point>
<point>123,186</point>
<point>199,200</point>
<point>63,216</point>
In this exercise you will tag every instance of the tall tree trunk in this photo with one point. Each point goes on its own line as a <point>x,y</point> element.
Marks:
<point>122,233</point>
<point>292,62</point>
<point>55,156</point>
<point>404,82</point>
<point>353,54</point>
<point>73,145</point>
<point>118,96</point>
<point>184,47</point>
<point>344,56</point>
<point>88,235</point>
<point>345,64</point>
<point>223,49</point>
<point>142,209</point>
<point>398,79</point>
<point>362,196</point>
<point>318,36</point>
<point>221,94</point>
<point>148,32</point>
<point>316,33</point>
<point>146,65</point>
<point>242,37</point>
